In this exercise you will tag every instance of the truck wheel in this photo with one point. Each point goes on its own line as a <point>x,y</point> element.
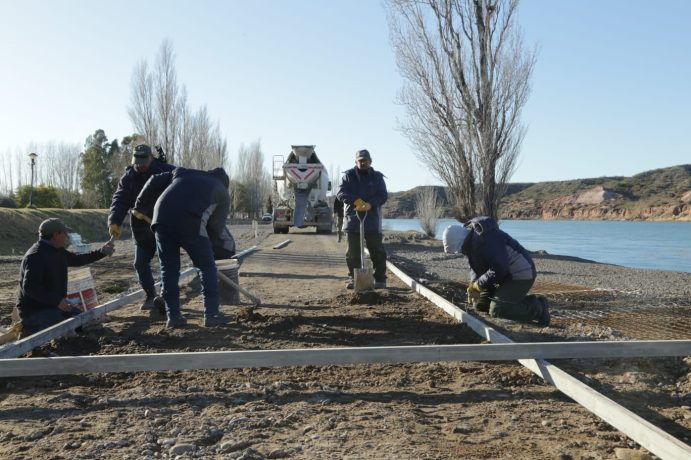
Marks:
<point>324,230</point>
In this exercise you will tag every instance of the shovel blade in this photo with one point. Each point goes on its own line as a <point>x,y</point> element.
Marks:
<point>363,280</point>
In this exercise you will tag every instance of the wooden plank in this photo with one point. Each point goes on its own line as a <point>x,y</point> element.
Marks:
<point>281,244</point>
<point>638,429</point>
<point>242,254</point>
<point>23,367</point>
<point>234,285</point>
<point>96,314</point>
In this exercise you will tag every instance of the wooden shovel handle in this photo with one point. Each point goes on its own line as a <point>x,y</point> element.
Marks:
<point>234,285</point>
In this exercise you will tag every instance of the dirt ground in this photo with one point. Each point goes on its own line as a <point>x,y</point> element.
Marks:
<point>434,411</point>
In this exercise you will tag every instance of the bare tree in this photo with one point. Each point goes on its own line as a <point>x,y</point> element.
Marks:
<point>160,113</point>
<point>142,110</point>
<point>167,96</point>
<point>428,209</point>
<point>61,167</point>
<point>255,178</point>
<point>467,81</point>
<point>57,165</point>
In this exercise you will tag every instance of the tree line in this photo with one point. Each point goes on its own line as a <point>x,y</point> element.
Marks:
<point>69,175</point>
<point>466,80</point>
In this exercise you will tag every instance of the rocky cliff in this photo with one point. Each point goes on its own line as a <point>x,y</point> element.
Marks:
<point>661,194</point>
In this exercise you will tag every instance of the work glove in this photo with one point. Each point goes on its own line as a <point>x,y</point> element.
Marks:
<point>107,249</point>
<point>114,230</point>
<point>141,216</point>
<point>473,292</point>
<point>361,205</point>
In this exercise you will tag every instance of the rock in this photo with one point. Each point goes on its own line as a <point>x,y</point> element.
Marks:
<point>160,421</point>
<point>631,454</point>
<point>34,435</point>
<point>166,442</point>
<point>232,446</point>
<point>251,454</point>
<point>562,456</point>
<point>463,429</point>
<point>182,448</point>
<point>277,453</point>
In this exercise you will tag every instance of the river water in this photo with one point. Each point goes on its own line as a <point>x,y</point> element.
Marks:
<point>656,245</point>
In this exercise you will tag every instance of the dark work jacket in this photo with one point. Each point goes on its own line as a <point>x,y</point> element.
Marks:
<point>338,207</point>
<point>43,276</point>
<point>369,187</point>
<point>494,257</point>
<point>129,186</point>
<point>187,201</point>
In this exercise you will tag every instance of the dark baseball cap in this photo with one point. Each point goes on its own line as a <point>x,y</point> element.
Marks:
<point>363,155</point>
<point>141,154</point>
<point>49,227</point>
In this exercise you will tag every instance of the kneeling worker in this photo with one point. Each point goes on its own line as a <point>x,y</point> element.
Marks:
<point>501,271</point>
<point>42,299</point>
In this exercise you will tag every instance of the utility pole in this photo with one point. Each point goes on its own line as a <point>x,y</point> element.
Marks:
<point>31,189</point>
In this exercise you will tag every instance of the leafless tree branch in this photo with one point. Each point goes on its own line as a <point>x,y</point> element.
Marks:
<point>467,80</point>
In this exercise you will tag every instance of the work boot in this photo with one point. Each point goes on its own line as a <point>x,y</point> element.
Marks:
<point>544,317</point>
<point>160,304</point>
<point>219,319</point>
<point>149,301</point>
<point>380,284</point>
<point>350,284</point>
<point>176,322</point>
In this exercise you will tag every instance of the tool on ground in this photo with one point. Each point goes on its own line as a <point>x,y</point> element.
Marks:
<point>363,280</point>
<point>13,332</point>
<point>234,285</point>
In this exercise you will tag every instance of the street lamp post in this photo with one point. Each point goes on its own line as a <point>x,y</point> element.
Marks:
<point>31,189</point>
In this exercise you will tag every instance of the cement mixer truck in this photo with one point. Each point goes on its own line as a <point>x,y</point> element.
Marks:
<point>299,191</point>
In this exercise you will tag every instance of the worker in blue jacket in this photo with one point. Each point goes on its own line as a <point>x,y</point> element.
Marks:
<point>363,192</point>
<point>190,209</point>
<point>42,298</point>
<point>501,271</point>
<point>144,165</point>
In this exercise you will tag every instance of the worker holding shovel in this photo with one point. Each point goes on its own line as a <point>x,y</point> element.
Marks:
<point>144,165</point>
<point>363,191</point>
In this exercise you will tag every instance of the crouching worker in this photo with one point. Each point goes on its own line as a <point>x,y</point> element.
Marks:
<point>190,212</point>
<point>42,300</point>
<point>501,271</point>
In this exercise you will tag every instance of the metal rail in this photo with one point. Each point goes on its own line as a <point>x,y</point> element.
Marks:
<point>643,432</point>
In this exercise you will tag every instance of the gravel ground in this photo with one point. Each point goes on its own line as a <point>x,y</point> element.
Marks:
<point>428,257</point>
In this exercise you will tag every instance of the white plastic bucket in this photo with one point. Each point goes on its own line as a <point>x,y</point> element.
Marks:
<point>81,291</point>
<point>227,294</point>
<point>77,245</point>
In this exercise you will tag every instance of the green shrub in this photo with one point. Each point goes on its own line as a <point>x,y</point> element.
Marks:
<point>7,202</point>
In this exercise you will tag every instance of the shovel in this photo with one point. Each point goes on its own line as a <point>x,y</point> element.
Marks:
<point>363,280</point>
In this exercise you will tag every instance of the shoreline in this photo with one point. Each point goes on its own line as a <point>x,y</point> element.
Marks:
<point>428,255</point>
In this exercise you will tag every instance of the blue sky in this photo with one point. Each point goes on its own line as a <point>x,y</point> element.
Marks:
<point>610,91</point>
